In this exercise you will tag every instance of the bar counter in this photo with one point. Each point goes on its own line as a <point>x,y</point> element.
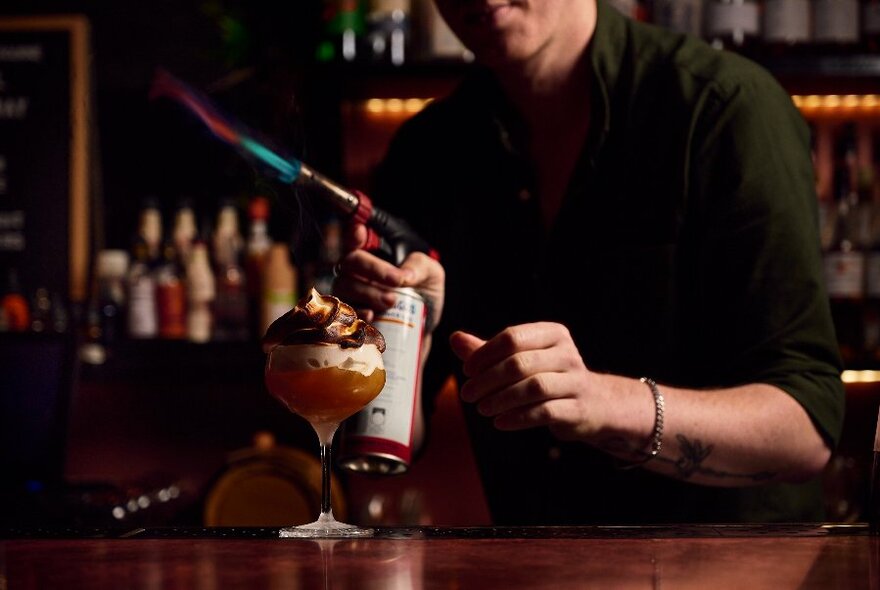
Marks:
<point>693,556</point>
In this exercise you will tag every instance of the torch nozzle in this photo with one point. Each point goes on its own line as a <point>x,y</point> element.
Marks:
<point>343,199</point>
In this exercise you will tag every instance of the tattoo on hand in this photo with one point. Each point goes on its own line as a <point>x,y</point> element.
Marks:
<point>693,454</point>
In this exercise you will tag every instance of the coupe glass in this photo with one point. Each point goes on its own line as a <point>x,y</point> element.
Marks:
<point>324,396</point>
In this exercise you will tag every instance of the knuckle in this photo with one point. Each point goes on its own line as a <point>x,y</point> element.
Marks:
<point>562,331</point>
<point>543,413</point>
<point>574,360</point>
<point>536,387</point>
<point>519,365</point>
<point>512,338</point>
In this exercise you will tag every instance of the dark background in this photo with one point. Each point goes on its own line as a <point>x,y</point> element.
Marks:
<point>253,59</point>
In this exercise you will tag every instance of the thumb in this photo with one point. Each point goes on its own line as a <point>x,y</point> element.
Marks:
<point>355,236</point>
<point>464,344</point>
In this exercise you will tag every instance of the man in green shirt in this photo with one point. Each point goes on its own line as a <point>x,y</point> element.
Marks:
<point>611,202</point>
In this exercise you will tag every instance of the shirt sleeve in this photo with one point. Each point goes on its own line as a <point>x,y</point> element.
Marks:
<point>766,301</point>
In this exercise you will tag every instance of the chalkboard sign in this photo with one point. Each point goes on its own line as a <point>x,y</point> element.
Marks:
<point>44,151</point>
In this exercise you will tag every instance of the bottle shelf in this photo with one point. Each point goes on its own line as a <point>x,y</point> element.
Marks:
<point>835,66</point>
<point>179,361</point>
<point>829,74</point>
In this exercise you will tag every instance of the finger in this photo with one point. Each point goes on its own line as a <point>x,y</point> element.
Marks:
<point>366,314</point>
<point>371,268</point>
<point>363,293</point>
<point>464,344</point>
<point>514,369</point>
<point>419,268</point>
<point>355,236</point>
<point>535,336</point>
<point>526,392</point>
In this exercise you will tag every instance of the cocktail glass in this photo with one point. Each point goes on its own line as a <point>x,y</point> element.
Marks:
<point>324,394</point>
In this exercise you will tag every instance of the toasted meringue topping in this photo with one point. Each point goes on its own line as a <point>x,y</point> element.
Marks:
<point>322,319</point>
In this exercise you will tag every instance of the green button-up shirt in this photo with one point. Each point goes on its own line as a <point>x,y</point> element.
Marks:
<point>686,249</point>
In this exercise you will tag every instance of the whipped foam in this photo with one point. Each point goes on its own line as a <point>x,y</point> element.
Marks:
<point>309,357</point>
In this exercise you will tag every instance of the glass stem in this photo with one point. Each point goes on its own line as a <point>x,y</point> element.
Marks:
<point>325,478</point>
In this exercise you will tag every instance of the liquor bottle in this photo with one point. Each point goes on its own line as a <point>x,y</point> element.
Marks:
<point>257,250</point>
<point>786,26</point>
<point>344,27</point>
<point>227,240</point>
<point>682,16</point>
<point>433,37</point>
<point>871,313</point>
<point>835,26</point>
<point>871,26</point>
<point>91,348</point>
<point>844,260</point>
<point>49,313</point>
<point>279,286</point>
<point>15,313</point>
<point>60,314</point>
<point>184,231</point>
<point>388,30</point>
<point>111,269</point>
<point>41,311</point>
<point>733,24</point>
<point>231,301</point>
<point>143,318</point>
<point>171,295</point>
<point>200,293</point>
<point>149,231</point>
<point>869,189</point>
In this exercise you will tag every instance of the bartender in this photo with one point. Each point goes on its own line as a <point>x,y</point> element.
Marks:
<point>630,288</point>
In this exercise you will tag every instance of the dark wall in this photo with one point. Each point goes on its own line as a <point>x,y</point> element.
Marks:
<point>252,58</point>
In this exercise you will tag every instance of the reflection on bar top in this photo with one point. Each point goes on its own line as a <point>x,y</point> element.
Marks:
<point>463,533</point>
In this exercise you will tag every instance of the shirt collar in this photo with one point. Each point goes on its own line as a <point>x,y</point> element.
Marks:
<point>606,51</point>
<point>607,48</point>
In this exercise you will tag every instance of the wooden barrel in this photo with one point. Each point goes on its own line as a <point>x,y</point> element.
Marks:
<point>269,485</point>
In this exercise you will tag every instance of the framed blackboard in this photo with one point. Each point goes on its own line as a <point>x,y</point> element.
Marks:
<point>44,151</point>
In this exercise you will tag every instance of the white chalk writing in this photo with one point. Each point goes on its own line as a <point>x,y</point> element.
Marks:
<point>14,107</point>
<point>21,53</point>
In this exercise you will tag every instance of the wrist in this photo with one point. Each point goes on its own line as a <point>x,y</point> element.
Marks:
<point>629,414</point>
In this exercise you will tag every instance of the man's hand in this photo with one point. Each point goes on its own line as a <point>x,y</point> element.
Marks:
<point>530,375</point>
<point>366,281</point>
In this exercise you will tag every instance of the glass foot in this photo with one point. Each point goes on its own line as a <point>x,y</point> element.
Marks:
<point>326,526</point>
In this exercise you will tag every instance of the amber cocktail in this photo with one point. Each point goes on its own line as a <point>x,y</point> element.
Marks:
<point>325,365</point>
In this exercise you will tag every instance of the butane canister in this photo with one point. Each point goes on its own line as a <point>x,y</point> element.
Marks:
<point>379,438</point>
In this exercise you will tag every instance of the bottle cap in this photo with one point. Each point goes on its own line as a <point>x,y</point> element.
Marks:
<point>259,208</point>
<point>112,263</point>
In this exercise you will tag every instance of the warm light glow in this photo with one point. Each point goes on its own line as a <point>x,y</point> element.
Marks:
<point>851,101</point>
<point>860,376</point>
<point>394,107</point>
<point>375,105</point>
<point>413,105</point>
<point>833,104</point>
<point>813,101</point>
<point>831,101</point>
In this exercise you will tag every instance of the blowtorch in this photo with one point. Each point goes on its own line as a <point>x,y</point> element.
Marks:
<point>388,236</point>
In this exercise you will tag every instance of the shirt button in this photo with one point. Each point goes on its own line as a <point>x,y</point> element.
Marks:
<point>554,453</point>
<point>524,195</point>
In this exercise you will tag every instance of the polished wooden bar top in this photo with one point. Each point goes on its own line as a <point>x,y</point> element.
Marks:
<point>691,556</point>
